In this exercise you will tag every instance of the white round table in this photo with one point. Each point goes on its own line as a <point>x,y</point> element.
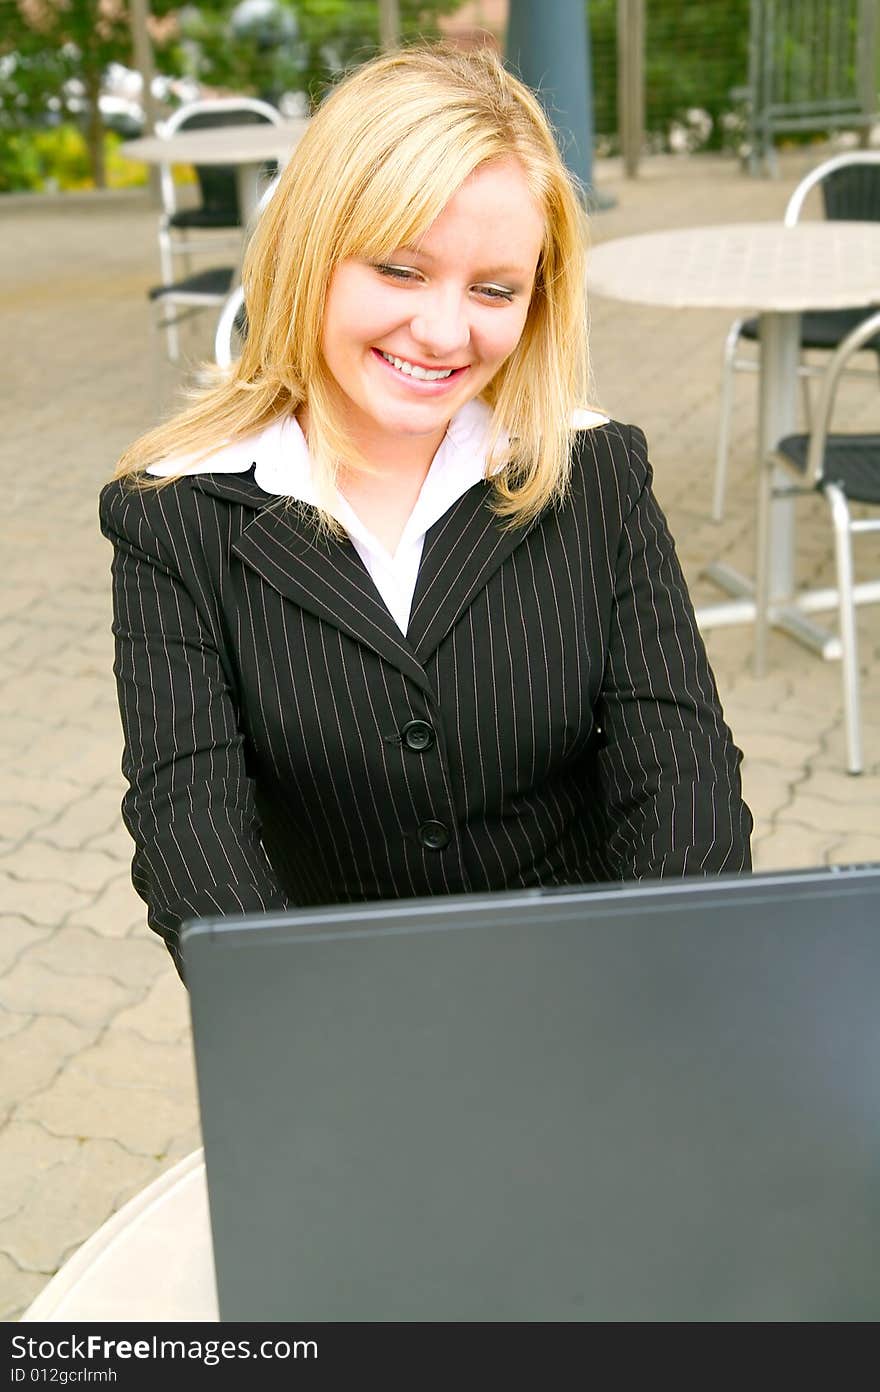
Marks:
<point>245,147</point>
<point>776,272</point>
<point>152,1261</point>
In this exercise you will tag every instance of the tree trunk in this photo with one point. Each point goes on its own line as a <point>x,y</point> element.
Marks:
<point>95,126</point>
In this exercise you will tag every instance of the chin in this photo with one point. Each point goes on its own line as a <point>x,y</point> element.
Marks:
<point>418,423</point>
<point>413,432</point>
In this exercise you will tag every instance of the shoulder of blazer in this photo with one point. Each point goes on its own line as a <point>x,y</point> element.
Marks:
<point>122,504</point>
<point>607,460</point>
<point>179,526</point>
<point>611,457</point>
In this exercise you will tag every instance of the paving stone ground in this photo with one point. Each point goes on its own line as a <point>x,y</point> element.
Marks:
<point>97,1093</point>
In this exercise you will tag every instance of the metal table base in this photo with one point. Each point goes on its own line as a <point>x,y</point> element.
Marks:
<point>789,615</point>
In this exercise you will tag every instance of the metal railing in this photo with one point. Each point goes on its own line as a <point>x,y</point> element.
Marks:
<point>812,67</point>
<point>683,75</point>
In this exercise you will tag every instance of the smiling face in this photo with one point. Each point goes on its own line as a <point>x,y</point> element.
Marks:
<point>409,340</point>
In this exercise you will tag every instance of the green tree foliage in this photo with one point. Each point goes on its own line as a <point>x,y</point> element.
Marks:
<point>695,53</point>
<point>694,56</point>
<point>44,44</point>
<point>326,37</point>
<point>339,33</point>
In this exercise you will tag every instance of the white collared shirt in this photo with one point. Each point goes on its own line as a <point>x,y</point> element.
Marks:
<point>283,467</point>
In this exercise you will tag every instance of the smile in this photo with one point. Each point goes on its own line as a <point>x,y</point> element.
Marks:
<point>420,374</point>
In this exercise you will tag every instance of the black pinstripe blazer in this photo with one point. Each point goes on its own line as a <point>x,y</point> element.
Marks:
<point>549,718</point>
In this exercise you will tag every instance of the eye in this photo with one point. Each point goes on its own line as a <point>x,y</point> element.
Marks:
<point>401,273</point>
<point>494,292</point>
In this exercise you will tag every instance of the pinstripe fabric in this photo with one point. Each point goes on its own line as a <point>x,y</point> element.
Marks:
<point>265,690</point>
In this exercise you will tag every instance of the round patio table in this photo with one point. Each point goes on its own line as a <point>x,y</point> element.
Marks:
<point>776,272</point>
<point>246,147</point>
<point>153,1261</point>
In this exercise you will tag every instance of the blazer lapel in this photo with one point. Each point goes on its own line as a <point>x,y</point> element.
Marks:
<point>461,552</point>
<point>326,577</point>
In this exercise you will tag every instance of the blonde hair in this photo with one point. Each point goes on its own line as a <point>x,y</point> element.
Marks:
<point>381,158</point>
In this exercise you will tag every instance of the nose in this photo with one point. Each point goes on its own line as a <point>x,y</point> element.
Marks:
<point>440,326</point>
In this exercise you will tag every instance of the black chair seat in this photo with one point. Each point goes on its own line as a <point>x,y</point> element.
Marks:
<point>222,217</point>
<point>823,328</point>
<point>217,280</point>
<point>852,461</point>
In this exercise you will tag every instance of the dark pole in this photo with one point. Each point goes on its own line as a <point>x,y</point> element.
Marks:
<point>389,24</point>
<point>139,13</point>
<point>548,46</point>
<point>631,82</point>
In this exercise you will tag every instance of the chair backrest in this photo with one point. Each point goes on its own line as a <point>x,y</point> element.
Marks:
<point>217,182</point>
<point>850,186</point>
<point>232,323</point>
<point>823,410</point>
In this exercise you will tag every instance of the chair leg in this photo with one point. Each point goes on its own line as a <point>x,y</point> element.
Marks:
<point>185,251</point>
<point>808,410</point>
<point>166,261</point>
<point>172,340</point>
<point>725,412</point>
<point>762,565</point>
<point>165,373</point>
<point>848,634</point>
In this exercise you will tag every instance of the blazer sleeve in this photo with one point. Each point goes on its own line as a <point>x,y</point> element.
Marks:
<point>190,805</point>
<point>669,767</point>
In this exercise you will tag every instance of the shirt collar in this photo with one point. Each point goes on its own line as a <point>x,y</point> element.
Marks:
<point>279,456</point>
<point>282,465</point>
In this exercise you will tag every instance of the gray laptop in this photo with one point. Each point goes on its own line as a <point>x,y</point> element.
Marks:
<point>652,1102</point>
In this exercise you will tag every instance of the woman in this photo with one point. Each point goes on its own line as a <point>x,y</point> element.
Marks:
<point>393,616</point>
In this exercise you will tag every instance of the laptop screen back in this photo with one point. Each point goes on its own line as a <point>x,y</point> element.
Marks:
<point>635,1103</point>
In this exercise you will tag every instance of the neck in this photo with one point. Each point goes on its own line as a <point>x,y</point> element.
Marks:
<point>397,457</point>
<point>394,462</point>
<point>383,501</point>
<point>384,497</point>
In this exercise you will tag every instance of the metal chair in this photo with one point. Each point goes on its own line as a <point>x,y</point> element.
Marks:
<point>218,210</point>
<point>850,186</point>
<point>217,217</point>
<point>183,298</point>
<point>231,326</point>
<point>845,469</point>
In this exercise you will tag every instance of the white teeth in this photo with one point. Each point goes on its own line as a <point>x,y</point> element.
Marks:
<point>411,370</point>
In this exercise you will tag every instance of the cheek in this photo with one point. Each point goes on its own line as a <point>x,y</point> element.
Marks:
<point>500,340</point>
<point>359,320</point>
<point>348,309</point>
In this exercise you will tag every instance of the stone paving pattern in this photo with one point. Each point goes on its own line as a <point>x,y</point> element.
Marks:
<point>97,1090</point>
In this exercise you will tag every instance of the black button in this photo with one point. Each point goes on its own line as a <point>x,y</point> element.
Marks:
<point>433,836</point>
<point>418,736</point>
